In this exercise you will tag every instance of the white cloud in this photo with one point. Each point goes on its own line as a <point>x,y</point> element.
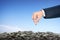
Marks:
<point>4,28</point>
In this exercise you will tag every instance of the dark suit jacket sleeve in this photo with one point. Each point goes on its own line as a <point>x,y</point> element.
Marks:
<point>52,12</point>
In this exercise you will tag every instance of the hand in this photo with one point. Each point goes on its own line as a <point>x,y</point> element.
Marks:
<point>37,16</point>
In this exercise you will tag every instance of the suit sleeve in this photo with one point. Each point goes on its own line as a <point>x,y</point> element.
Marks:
<point>52,12</point>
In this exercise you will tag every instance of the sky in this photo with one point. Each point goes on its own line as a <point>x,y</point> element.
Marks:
<point>16,15</point>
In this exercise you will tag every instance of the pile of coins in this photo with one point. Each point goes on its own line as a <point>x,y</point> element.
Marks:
<point>29,35</point>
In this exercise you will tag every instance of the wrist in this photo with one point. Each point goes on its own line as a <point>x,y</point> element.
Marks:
<point>41,12</point>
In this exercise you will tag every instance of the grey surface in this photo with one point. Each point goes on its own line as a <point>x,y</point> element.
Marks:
<point>29,35</point>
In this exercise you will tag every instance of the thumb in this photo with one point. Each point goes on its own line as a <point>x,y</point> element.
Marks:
<point>36,20</point>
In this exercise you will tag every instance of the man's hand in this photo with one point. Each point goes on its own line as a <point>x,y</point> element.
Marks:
<point>37,16</point>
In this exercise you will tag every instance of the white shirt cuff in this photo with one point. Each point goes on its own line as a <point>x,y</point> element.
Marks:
<point>43,13</point>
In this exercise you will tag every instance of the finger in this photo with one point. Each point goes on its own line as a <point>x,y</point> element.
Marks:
<point>38,19</point>
<point>34,17</point>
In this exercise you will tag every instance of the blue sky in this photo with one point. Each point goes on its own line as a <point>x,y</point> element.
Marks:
<point>16,15</point>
